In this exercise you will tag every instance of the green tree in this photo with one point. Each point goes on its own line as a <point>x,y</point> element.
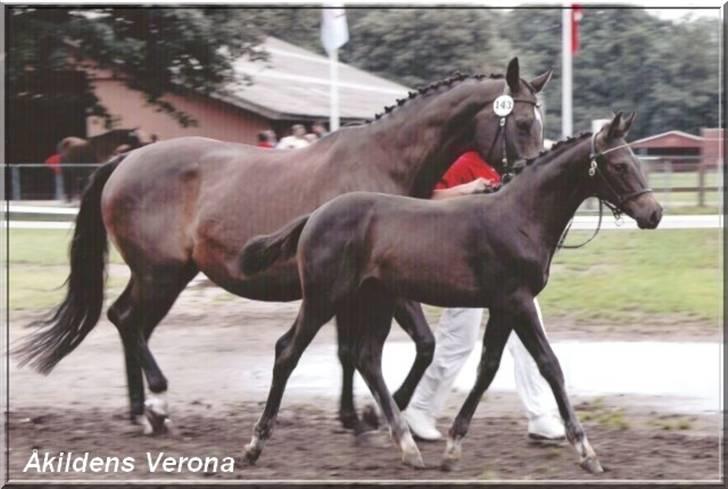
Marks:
<point>158,50</point>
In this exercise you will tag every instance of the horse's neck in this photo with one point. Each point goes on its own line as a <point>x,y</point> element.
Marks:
<point>422,141</point>
<point>554,191</point>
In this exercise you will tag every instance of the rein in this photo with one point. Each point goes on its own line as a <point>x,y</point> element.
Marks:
<point>617,210</point>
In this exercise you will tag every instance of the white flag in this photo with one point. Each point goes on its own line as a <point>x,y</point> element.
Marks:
<point>334,31</point>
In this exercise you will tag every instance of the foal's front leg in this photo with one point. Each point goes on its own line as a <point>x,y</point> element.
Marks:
<point>534,339</point>
<point>496,333</point>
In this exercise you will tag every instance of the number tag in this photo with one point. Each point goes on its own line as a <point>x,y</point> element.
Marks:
<point>503,105</point>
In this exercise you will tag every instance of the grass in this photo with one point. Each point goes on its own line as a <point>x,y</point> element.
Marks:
<point>598,412</point>
<point>617,276</point>
<point>38,267</point>
<point>622,273</point>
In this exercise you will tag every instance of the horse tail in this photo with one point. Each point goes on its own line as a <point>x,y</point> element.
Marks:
<point>69,323</point>
<point>260,252</point>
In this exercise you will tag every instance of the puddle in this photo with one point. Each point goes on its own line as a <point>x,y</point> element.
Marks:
<point>686,375</point>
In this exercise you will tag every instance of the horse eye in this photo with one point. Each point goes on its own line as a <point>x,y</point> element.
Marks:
<point>524,124</point>
<point>621,167</point>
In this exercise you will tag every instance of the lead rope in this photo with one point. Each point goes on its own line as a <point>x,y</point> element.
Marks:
<point>561,244</point>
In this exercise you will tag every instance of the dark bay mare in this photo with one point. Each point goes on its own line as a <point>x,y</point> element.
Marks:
<point>361,250</point>
<point>96,149</point>
<point>183,206</point>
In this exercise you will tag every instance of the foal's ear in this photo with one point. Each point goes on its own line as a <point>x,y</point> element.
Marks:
<point>513,77</point>
<point>628,122</point>
<point>540,81</point>
<point>614,128</point>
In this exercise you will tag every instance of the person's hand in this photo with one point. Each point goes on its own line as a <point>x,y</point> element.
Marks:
<point>478,186</point>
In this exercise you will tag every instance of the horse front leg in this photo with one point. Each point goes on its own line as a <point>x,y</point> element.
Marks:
<point>533,338</point>
<point>411,318</point>
<point>496,334</point>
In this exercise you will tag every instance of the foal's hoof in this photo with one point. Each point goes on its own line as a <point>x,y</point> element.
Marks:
<point>370,417</point>
<point>453,452</point>
<point>591,465</point>
<point>252,453</point>
<point>157,420</point>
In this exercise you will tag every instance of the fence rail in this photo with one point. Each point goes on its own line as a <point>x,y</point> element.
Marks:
<point>683,182</point>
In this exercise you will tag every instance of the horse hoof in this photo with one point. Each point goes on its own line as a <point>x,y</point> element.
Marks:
<point>370,417</point>
<point>592,465</point>
<point>349,421</point>
<point>453,452</point>
<point>158,421</point>
<point>143,421</point>
<point>251,454</point>
<point>413,458</point>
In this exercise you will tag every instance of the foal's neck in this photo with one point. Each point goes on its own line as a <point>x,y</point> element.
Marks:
<point>554,190</point>
<point>424,139</point>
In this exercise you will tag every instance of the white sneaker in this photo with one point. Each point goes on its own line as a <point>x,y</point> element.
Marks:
<point>546,427</point>
<point>422,425</point>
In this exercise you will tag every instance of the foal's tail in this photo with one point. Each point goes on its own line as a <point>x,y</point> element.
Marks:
<point>70,322</point>
<point>262,251</point>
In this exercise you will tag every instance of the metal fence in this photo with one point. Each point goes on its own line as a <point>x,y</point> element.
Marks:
<point>676,183</point>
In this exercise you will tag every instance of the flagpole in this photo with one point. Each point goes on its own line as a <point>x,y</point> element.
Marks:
<point>567,128</point>
<point>334,89</point>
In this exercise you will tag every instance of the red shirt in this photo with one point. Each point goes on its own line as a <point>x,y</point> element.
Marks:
<point>54,161</point>
<point>466,169</point>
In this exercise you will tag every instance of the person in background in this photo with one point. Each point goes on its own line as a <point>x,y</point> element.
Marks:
<point>319,129</point>
<point>54,163</point>
<point>458,333</point>
<point>311,137</point>
<point>264,140</point>
<point>295,140</point>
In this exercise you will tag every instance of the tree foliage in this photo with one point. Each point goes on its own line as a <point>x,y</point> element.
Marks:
<point>156,50</point>
<point>629,59</point>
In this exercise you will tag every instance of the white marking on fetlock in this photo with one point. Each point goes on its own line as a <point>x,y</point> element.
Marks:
<point>453,452</point>
<point>410,453</point>
<point>143,421</point>
<point>157,403</point>
<point>587,456</point>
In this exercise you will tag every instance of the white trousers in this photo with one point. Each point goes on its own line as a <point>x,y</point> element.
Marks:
<point>457,335</point>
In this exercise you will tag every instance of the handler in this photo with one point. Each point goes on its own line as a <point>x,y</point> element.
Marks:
<point>458,331</point>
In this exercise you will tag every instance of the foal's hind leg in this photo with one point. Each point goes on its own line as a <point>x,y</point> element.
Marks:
<point>146,300</point>
<point>411,318</point>
<point>289,348</point>
<point>346,325</point>
<point>376,311</point>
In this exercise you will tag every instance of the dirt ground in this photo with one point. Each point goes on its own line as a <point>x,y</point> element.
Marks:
<point>217,353</point>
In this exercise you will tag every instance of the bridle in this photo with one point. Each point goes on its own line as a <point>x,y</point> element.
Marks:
<point>596,158</point>
<point>507,169</point>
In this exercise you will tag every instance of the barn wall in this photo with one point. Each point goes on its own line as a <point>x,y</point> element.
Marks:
<point>215,119</point>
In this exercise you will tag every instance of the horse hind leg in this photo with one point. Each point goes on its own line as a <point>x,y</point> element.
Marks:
<point>346,321</point>
<point>289,349</point>
<point>143,305</point>
<point>376,313</point>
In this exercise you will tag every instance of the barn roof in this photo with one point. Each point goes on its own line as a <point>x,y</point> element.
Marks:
<point>669,139</point>
<point>294,83</point>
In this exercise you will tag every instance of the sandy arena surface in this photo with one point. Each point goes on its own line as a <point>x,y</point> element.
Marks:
<point>217,353</point>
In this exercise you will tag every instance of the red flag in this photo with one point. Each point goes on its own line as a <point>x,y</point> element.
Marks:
<point>576,14</point>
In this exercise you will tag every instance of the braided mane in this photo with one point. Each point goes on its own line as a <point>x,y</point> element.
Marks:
<point>448,83</point>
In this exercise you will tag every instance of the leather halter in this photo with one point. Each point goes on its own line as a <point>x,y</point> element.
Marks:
<point>507,173</point>
<point>597,158</point>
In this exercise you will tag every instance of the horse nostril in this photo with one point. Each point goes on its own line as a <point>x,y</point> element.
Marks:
<point>656,217</point>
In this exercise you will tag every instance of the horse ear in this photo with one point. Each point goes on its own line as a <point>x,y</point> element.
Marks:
<point>628,122</point>
<point>614,128</point>
<point>513,77</point>
<point>540,81</point>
